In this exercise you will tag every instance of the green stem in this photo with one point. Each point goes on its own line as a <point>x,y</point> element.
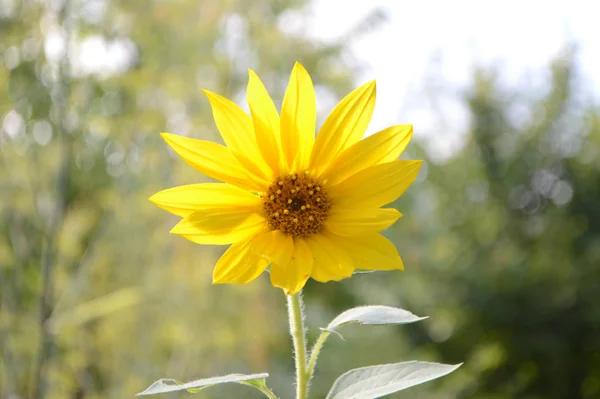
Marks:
<point>268,393</point>
<point>296,316</point>
<point>314,354</point>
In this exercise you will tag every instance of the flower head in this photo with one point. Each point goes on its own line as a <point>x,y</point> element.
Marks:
<point>308,207</point>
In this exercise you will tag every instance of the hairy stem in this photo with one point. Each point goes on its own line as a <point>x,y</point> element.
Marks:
<point>314,354</point>
<point>296,315</point>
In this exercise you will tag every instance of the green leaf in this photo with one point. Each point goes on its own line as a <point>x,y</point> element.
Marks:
<point>373,315</point>
<point>169,385</point>
<point>377,381</point>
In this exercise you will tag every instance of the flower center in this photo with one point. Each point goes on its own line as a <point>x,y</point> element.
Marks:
<point>296,205</point>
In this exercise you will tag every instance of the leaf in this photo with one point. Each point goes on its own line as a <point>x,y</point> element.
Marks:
<point>377,381</point>
<point>170,385</point>
<point>373,315</point>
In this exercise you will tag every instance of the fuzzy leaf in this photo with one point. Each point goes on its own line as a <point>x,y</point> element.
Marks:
<point>377,381</point>
<point>169,385</point>
<point>373,315</point>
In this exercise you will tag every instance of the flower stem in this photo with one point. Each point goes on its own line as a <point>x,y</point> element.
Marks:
<point>296,315</point>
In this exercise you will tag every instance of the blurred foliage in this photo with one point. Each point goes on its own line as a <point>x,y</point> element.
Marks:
<point>501,242</point>
<point>518,239</point>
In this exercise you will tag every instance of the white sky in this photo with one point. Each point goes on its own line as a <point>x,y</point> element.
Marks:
<point>523,36</point>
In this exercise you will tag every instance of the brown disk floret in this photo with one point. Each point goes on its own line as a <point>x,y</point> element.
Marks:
<point>296,204</point>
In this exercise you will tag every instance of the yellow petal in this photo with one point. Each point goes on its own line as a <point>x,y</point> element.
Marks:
<point>344,126</point>
<point>185,200</point>
<point>237,131</point>
<point>381,147</point>
<point>214,161</point>
<point>356,222</point>
<point>266,121</point>
<point>331,262</point>
<point>375,186</point>
<point>219,226</point>
<point>238,265</point>
<point>298,116</point>
<point>274,246</point>
<point>292,277</point>
<point>371,252</point>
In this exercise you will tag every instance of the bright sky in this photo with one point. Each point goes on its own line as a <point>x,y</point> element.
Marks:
<point>521,36</point>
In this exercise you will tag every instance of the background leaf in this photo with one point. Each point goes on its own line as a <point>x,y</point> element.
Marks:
<point>169,385</point>
<point>377,381</point>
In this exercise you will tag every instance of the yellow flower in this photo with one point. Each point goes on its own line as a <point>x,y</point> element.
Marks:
<point>307,206</point>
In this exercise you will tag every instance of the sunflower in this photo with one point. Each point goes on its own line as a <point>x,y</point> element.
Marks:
<point>307,206</point>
